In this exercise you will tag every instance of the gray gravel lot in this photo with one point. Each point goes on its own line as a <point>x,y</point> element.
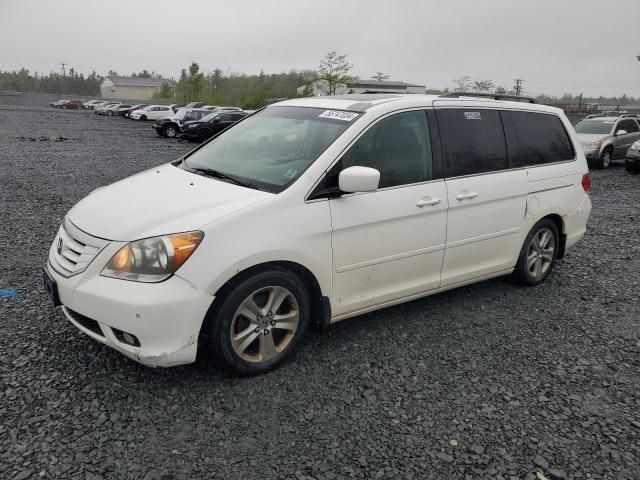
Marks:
<point>488,381</point>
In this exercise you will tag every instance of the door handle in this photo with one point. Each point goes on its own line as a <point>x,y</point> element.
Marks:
<point>427,201</point>
<point>466,195</point>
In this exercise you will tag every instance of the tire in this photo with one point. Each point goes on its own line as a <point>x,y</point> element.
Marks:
<point>539,253</point>
<point>143,117</point>
<point>109,113</point>
<point>169,131</point>
<point>204,134</point>
<point>257,350</point>
<point>605,159</point>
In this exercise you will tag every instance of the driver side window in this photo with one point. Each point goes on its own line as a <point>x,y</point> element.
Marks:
<point>398,146</point>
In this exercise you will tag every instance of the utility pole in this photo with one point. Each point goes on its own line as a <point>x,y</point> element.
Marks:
<point>518,87</point>
<point>64,73</point>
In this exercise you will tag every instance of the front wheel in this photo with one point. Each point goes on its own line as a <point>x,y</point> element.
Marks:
<point>170,131</point>
<point>143,117</point>
<point>539,253</point>
<point>605,159</point>
<point>109,113</point>
<point>260,322</point>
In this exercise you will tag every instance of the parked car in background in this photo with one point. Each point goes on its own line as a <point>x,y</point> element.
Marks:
<point>385,200</point>
<point>72,105</point>
<point>57,103</point>
<point>99,103</point>
<point>127,111</point>
<point>212,124</point>
<point>170,127</point>
<point>194,105</point>
<point>632,158</point>
<point>115,109</point>
<point>175,107</point>
<point>151,112</point>
<point>90,103</point>
<point>605,139</point>
<point>101,109</point>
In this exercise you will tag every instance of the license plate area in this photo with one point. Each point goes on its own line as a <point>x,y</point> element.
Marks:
<point>51,288</point>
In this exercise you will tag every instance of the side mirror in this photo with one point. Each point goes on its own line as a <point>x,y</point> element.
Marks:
<point>216,120</point>
<point>359,179</point>
<point>621,132</point>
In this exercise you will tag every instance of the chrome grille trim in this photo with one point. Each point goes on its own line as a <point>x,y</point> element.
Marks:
<point>77,249</point>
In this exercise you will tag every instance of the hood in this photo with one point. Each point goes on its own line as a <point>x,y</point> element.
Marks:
<point>591,137</point>
<point>162,200</point>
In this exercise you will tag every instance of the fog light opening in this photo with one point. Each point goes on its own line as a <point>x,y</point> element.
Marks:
<point>126,338</point>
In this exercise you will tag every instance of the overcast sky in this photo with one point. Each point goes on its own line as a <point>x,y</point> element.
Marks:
<point>556,46</point>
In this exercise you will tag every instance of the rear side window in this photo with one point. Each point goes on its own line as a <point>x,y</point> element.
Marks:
<point>542,138</point>
<point>629,125</point>
<point>473,141</point>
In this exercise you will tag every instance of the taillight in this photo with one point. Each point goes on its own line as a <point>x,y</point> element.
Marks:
<point>586,182</point>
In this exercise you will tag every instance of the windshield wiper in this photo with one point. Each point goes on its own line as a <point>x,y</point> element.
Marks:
<point>210,172</point>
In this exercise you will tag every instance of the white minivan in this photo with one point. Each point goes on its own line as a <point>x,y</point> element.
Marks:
<point>314,210</point>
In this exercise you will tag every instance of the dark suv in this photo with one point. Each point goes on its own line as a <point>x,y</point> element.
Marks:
<point>172,126</point>
<point>210,125</point>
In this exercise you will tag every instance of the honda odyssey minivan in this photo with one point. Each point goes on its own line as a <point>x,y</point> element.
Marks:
<point>314,210</point>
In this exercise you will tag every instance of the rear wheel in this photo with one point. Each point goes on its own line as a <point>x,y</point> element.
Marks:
<point>109,112</point>
<point>539,253</point>
<point>605,159</point>
<point>260,322</point>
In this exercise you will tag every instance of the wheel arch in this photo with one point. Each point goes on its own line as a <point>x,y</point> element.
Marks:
<point>557,219</point>
<point>320,305</point>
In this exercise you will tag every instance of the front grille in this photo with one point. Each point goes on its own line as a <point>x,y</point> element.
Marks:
<point>86,322</point>
<point>73,250</point>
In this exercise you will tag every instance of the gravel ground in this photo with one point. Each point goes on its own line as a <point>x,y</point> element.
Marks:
<point>488,381</point>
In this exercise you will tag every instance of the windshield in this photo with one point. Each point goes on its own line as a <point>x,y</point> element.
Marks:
<point>211,116</point>
<point>273,147</point>
<point>594,126</point>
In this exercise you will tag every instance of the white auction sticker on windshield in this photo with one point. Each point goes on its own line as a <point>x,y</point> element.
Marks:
<point>338,115</point>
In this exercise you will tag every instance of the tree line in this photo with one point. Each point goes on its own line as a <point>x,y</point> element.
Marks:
<point>256,90</point>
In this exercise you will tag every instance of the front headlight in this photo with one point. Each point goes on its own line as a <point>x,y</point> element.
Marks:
<point>636,145</point>
<point>152,259</point>
<point>591,145</point>
<point>192,126</point>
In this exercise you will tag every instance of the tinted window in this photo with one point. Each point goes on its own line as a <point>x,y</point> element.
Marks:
<point>398,146</point>
<point>628,125</point>
<point>541,138</point>
<point>473,141</point>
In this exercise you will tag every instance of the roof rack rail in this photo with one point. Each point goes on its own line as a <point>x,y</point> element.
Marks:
<point>495,96</point>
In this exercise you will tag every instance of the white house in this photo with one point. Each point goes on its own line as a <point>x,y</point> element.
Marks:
<point>320,87</point>
<point>131,88</point>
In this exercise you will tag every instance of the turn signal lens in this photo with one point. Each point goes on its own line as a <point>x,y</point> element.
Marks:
<point>152,259</point>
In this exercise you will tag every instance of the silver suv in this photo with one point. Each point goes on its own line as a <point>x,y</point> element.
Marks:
<point>607,138</point>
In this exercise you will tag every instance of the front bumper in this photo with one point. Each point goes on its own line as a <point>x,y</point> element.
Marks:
<point>165,317</point>
<point>632,161</point>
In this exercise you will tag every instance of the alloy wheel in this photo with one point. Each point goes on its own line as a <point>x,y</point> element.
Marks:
<point>541,253</point>
<point>265,324</point>
<point>606,159</point>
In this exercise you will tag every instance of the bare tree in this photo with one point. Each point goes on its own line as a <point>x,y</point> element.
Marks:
<point>483,85</point>
<point>334,70</point>
<point>381,76</point>
<point>463,84</point>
